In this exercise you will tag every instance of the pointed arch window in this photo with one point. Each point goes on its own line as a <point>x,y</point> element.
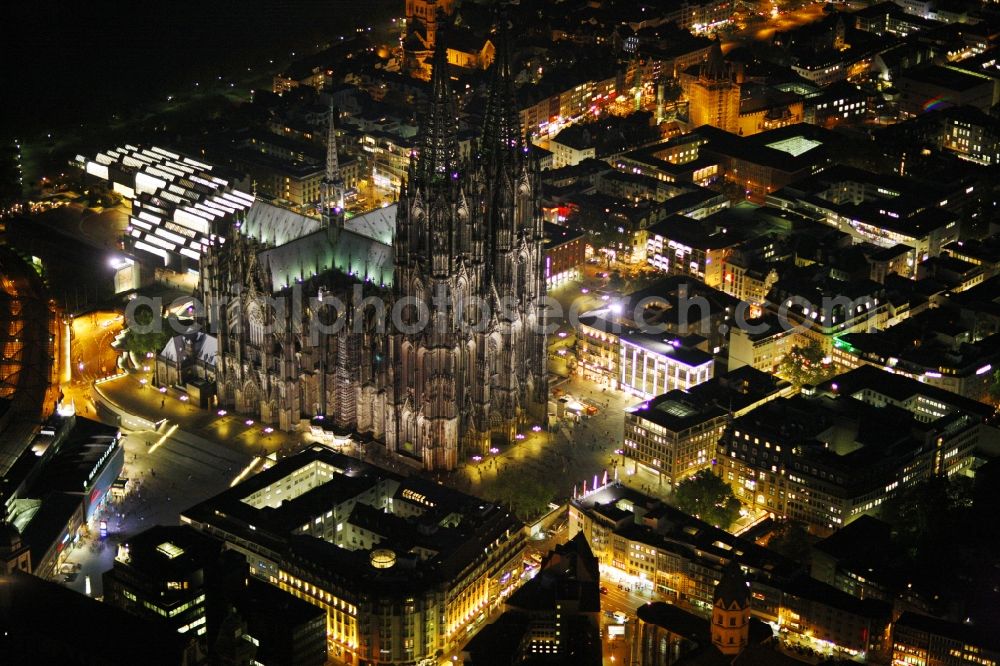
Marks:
<point>255,320</point>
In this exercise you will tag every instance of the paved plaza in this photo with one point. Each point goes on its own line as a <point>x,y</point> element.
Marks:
<point>166,475</point>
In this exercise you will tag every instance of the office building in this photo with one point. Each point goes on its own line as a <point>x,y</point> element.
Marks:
<point>814,304</point>
<point>674,434</point>
<point>46,623</point>
<point>649,544</point>
<point>554,618</point>
<point>653,363</point>
<point>58,487</point>
<point>935,347</point>
<point>829,455</point>
<point>162,572</point>
<point>403,567</point>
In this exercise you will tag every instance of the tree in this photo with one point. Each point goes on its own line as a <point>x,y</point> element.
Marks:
<point>708,497</point>
<point>148,339</point>
<point>806,364</point>
<point>993,391</point>
<point>791,540</point>
<point>918,513</point>
<point>526,496</point>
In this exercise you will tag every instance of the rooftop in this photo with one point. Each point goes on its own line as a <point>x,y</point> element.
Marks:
<point>431,531</point>
<point>44,622</point>
<point>734,391</point>
<point>947,77</point>
<point>643,518</point>
<point>968,634</point>
<point>170,552</point>
<point>557,234</point>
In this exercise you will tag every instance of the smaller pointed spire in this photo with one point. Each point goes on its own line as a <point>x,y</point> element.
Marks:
<point>332,162</point>
<point>332,187</point>
<point>715,67</point>
<point>733,588</point>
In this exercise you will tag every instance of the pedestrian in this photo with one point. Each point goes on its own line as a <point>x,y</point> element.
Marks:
<point>163,402</point>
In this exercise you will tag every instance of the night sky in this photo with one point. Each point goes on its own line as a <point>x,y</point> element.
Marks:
<point>90,57</point>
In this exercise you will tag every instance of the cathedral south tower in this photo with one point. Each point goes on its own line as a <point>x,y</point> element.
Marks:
<point>467,344</point>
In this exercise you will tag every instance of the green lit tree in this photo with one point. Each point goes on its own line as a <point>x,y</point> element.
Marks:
<point>139,340</point>
<point>806,364</point>
<point>527,496</point>
<point>993,391</point>
<point>708,497</point>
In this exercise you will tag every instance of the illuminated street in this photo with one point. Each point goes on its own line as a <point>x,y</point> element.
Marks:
<point>233,431</point>
<point>783,22</point>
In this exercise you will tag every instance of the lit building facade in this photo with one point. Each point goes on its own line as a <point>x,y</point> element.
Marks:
<point>547,117</point>
<point>650,365</point>
<point>388,160</point>
<point>818,310</point>
<point>598,349</point>
<point>829,457</point>
<point>428,396</point>
<point>971,134</point>
<point>714,95</point>
<point>919,640</point>
<point>403,567</point>
<point>652,545</point>
<point>59,485</point>
<point>565,253</point>
<point>762,344</point>
<point>969,375</point>
<point>682,246</point>
<point>886,212</point>
<point>675,434</point>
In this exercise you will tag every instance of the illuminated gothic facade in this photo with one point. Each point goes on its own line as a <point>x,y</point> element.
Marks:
<point>458,261</point>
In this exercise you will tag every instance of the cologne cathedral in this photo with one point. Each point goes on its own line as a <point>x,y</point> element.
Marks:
<point>458,261</point>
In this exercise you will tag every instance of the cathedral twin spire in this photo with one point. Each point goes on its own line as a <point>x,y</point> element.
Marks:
<point>502,126</point>
<point>437,143</point>
<point>501,144</point>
